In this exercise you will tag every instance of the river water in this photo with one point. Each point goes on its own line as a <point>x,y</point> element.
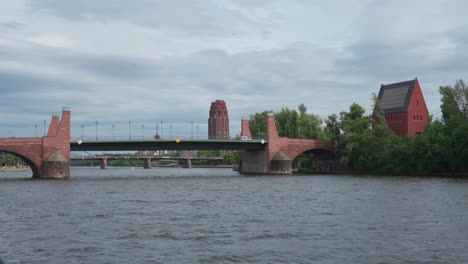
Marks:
<point>175,215</point>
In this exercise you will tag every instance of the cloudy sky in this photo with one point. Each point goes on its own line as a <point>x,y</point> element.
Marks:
<point>115,61</point>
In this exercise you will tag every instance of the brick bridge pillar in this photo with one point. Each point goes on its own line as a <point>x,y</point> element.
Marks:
<point>188,163</point>
<point>147,164</point>
<point>245,128</point>
<point>48,156</point>
<point>104,163</point>
<point>279,152</point>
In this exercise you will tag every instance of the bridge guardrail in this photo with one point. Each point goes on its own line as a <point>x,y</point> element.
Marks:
<point>155,139</point>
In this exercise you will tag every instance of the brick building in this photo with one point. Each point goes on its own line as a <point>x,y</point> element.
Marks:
<point>404,107</point>
<point>218,122</point>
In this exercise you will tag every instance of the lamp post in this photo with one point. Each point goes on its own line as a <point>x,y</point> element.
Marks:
<point>197,133</point>
<point>162,129</point>
<point>170,131</point>
<point>113,130</point>
<point>129,130</point>
<point>191,133</point>
<point>142,133</point>
<point>96,129</point>
<point>35,130</point>
<point>157,128</point>
<point>82,131</point>
<point>45,122</point>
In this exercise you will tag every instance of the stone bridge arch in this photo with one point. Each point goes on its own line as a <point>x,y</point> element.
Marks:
<point>32,162</point>
<point>48,156</point>
<point>280,151</point>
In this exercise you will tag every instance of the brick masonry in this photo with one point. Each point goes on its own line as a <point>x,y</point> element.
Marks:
<point>218,122</point>
<point>290,147</point>
<point>38,152</point>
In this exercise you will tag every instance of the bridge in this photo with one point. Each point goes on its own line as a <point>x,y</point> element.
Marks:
<point>49,156</point>
<point>187,161</point>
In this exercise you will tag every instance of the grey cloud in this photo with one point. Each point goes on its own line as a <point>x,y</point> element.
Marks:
<point>197,18</point>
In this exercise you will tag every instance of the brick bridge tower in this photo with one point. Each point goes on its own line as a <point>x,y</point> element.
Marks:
<point>48,156</point>
<point>280,151</point>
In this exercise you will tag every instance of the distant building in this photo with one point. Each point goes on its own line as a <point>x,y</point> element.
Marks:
<point>404,107</point>
<point>218,123</point>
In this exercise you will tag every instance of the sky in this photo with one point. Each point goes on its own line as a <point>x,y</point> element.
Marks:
<point>146,61</point>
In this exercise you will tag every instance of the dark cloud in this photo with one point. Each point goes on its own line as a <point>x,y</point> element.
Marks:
<point>197,18</point>
<point>115,61</point>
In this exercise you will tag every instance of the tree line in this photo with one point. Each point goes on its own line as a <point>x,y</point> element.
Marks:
<point>367,144</point>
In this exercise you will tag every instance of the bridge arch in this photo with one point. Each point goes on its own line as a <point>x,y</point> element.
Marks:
<point>35,168</point>
<point>319,153</point>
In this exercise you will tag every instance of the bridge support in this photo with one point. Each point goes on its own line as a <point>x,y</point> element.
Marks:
<point>278,155</point>
<point>188,163</point>
<point>147,164</point>
<point>104,163</point>
<point>49,156</point>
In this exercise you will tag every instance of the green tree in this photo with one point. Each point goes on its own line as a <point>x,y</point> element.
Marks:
<point>286,122</point>
<point>333,128</point>
<point>232,157</point>
<point>258,124</point>
<point>454,100</point>
<point>209,153</point>
<point>302,109</point>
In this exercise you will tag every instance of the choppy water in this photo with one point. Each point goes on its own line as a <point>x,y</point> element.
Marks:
<point>172,215</point>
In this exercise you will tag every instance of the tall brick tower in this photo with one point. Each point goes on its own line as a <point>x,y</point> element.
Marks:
<point>218,123</point>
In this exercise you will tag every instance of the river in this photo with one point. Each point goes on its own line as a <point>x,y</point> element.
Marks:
<point>176,215</point>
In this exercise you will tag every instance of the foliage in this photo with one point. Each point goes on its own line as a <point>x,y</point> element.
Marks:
<point>454,100</point>
<point>366,143</point>
<point>232,157</point>
<point>258,124</point>
<point>11,159</point>
<point>209,153</point>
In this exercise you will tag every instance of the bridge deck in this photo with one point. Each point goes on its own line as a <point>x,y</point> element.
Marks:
<point>168,145</point>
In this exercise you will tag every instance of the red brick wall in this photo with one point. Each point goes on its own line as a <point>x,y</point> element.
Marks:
<point>398,123</point>
<point>418,115</point>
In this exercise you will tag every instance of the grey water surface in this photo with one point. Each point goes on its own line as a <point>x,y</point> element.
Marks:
<point>175,215</point>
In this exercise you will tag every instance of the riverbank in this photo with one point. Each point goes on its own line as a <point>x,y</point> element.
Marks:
<point>14,169</point>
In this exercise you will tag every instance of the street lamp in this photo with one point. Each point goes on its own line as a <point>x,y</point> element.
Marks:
<point>82,129</point>
<point>35,130</point>
<point>129,130</point>
<point>142,134</point>
<point>170,131</point>
<point>191,133</point>
<point>197,133</point>
<point>162,129</point>
<point>157,128</point>
<point>45,121</point>
<point>113,130</point>
<point>96,129</point>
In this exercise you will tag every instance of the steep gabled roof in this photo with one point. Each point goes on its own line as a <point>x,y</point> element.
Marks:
<point>395,97</point>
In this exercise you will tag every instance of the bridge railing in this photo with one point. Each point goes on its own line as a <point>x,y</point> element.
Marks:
<point>157,138</point>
